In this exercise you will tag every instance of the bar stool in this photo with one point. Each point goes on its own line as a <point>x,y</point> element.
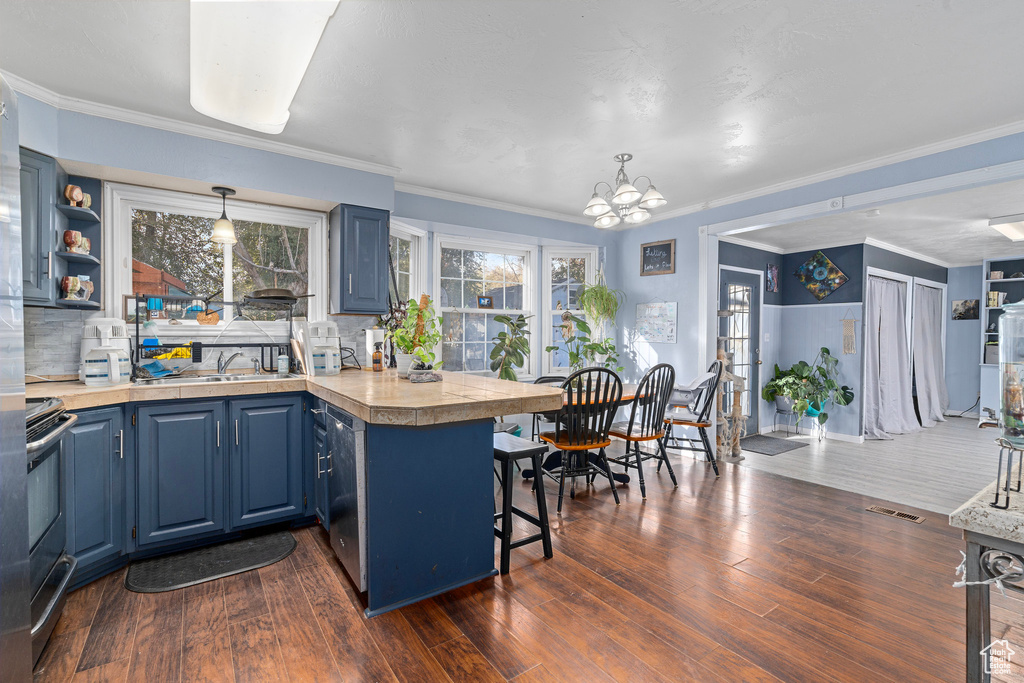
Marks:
<point>507,450</point>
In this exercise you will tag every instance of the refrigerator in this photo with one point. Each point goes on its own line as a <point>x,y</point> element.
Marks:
<point>15,638</point>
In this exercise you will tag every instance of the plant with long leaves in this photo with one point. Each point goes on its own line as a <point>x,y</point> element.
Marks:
<point>511,346</point>
<point>819,385</point>
<point>582,349</point>
<point>419,332</point>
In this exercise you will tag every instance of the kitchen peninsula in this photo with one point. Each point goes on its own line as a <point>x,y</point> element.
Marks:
<point>416,495</point>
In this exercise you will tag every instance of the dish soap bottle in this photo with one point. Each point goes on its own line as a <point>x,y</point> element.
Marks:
<point>378,358</point>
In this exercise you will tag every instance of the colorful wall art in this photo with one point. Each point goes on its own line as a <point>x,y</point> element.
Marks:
<point>820,276</point>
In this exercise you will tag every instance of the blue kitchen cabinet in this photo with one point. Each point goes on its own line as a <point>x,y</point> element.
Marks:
<point>38,227</point>
<point>265,471</point>
<point>95,455</point>
<point>181,470</point>
<point>359,259</point>
<point>320,486</point>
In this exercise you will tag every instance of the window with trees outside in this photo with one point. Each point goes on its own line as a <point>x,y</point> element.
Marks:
<point>465,274</point>
<point>163,240</point>
<point>566,273</point>
<point>401,260</point>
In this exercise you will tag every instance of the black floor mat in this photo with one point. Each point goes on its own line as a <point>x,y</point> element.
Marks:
<point>769,445</point>
<point>206,564</point>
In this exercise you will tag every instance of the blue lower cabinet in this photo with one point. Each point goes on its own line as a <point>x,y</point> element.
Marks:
<point>181,470</point>
<point>321,497</point>
<point>266,460</point>
<point>94,485</point>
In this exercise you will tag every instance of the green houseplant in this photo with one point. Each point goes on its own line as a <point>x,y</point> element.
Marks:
<point>783,388</point>
<point>417,335</point>
<point>811,386</point>
<point>511,346</point>
<point>599,303</point>
<point>582,349</point>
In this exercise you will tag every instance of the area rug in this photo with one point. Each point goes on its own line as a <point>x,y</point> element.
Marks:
<point>769,445</point>
<point>206,564</point>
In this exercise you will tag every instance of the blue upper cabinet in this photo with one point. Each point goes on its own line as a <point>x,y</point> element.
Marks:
<point>181,470</point>
<point>266,460</point>
<point>38,227</point>
<point>94,485</point>
<point>359,260</point>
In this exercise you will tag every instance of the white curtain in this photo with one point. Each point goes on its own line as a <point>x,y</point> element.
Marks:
<point>929,364</point>
<point>888,398</point>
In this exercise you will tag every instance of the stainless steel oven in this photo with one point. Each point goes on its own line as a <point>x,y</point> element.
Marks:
<point>50,568</point>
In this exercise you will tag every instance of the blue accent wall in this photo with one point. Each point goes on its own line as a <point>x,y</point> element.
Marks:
<point>742,256</point>
<point>963,340</point>
<point>849,259</point>
<point>876,257</point>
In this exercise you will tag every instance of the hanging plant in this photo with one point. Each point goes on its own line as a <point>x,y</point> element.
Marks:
<point>599,303</point>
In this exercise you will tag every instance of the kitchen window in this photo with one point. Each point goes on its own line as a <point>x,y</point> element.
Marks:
<point>162,243</point>
<point>475,281</point>
<point>565,273</point>
<point>408,259</point>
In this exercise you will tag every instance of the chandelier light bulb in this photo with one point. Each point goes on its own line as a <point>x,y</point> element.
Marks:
<point>625,194</point>
<point>637,215</point>
<point>609,220</point>
<point>652,199</point>
<point>597,206</point>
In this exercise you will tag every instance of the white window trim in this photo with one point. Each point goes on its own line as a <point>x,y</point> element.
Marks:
<point>529,285</point>
<point>119,200</point>
<point>417,256</point>
<point>550,253</point>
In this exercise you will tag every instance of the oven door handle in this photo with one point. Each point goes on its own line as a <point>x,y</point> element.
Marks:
<point>62,589</point>
<point>66,422</point>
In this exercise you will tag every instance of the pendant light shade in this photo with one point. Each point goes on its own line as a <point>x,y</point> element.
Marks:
<point>597,206</point>
<point>223,229</point>
<point>625,194</point>
<point>652,199</point>
<point>609,220</point>
<point>637,215</point>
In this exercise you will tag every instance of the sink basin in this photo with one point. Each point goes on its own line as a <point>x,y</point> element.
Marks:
<point>208,379</point>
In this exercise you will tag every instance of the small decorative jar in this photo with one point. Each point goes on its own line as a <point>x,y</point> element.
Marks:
<point>1011,374</point>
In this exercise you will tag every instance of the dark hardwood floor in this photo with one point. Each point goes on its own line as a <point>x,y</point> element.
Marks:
<point>750,577</point>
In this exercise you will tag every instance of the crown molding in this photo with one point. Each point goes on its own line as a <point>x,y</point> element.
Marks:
<point>871,164</point>
<point>731,239</point>
<point>488,203</point>
<point>107,111</point>
<point>871,241</point>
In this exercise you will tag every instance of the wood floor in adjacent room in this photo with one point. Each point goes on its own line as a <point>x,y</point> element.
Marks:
<point>750,577</point>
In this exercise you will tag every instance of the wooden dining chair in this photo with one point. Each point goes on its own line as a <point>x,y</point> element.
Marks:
<point>581,430</point>
<point>550,416</point>
<point>681,416</point>
<point>647,422</point>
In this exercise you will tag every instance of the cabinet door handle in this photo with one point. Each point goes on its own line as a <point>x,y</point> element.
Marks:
<point>236,432</point>
<point>120,443</point>
<point>318,412</point>
<point>318,459</point>
<point>330,465</point>
<point>350,283</point>
<point>49,267</point>
<point>218,433</point>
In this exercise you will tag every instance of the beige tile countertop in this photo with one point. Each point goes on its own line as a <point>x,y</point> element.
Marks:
<point>978,516</point>
<point>377,398</point>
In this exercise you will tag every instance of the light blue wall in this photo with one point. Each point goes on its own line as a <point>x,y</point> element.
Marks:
<point>963,340</point>
<point>96,140</point>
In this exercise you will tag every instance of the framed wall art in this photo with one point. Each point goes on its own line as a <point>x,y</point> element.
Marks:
<point>658,258</point>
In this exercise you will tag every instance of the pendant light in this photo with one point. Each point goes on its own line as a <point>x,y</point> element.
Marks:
<point>224,229</point>
<point>623,202</point>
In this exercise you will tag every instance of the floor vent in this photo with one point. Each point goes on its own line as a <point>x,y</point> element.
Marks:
<point>916,519</point>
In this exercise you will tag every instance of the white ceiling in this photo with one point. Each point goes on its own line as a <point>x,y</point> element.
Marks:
<point>526,101</point>
<point>951,228</point>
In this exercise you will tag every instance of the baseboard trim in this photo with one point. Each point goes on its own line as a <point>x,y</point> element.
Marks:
<point>957,413</point>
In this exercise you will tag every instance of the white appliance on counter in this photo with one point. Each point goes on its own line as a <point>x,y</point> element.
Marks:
<point>104,332</point>
<point>326,343</point>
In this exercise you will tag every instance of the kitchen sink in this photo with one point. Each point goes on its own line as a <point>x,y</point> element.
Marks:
<point>208,379</point>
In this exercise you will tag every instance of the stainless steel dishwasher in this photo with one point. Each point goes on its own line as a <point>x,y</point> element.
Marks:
<point>346,480</point>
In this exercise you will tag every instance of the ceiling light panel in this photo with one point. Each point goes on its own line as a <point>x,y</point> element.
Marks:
<point>247,58</point>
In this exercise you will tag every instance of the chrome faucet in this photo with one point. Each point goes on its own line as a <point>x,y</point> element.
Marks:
<point>222,365</point>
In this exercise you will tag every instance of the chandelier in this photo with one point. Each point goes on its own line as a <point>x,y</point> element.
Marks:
<point>623,202</point>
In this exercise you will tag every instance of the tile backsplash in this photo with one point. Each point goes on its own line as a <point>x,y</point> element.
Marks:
<point>53,340</point>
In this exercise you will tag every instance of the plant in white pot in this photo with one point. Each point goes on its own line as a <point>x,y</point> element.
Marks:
<point>417,336</point>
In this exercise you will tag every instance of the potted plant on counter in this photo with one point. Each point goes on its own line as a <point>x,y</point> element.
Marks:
<point>417,336</point>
